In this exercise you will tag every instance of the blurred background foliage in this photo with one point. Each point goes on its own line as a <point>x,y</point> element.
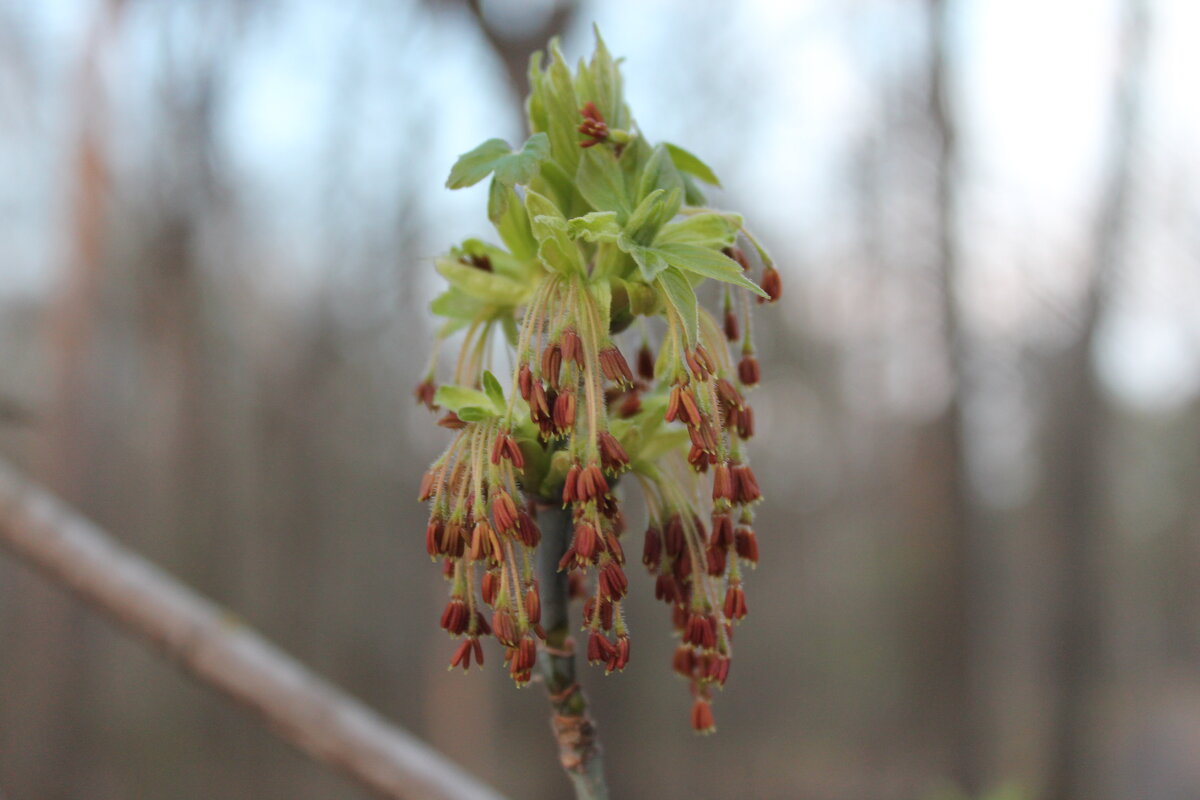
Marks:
<point>979,431</point>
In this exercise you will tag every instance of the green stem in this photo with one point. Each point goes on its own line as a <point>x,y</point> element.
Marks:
<point>578,748</point>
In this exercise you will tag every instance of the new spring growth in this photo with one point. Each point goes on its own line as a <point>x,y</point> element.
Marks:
<point>605,246</point>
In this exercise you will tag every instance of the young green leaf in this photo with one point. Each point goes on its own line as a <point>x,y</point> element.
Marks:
<point>549,226</point>
<point>598,226</point>
<point>709,229</point>
<point>458,399</point>
<point>708,263</point>
<point>652,213</point>
<point>649,262</point>
<point>455,304</point>
<point>507,214</point>
<point>689,163</point>
<point>487,286</point>
<point>682,297</point>
<point>601,183</point>
<point>659,173</point>
<point>511,167</point>
<point>492,388</point>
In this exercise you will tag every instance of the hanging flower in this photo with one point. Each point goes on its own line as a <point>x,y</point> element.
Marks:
<point>604,238</point>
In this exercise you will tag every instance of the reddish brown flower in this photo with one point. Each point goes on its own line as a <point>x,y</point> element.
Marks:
<point>572,347</point>
<point>645,363</point>
<point>612,455</point>
<point>735,602</point>
<point>525,382</point>
<point>615,367</point>
<point>738,255</point>
<point>462,654</point>
<point>631,405</point>
<point>746,544</point>
<point>593,125</point>
<point>456,616</point>
<point>552,359</point>
<point>772,285</point>
<point>425,392</point>
<point>722,483</point>
<point>585,543</point>
<point>732,331</point>
<point>702,717</point>
<point>489,587</point>
<point>533,605</point>
<point>505,628</point>
<point>599,648</point>
<point>452,422</point>
<point>745,485</point>
<point>715,558</point>
<point>620,655</point>
<point>613,583</point>
<point>564,411</point>
<point>748,371</point>
<point>504,512</point>
<point>652,548</point>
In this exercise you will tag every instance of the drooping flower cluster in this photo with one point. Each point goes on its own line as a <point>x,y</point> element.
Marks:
<point>601,231</point>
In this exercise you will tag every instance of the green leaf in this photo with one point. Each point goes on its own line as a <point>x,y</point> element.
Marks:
<point>511,167</point>
<point>709,229</point>
<point>492,388</point>
<point>487,286</point>
<point>682,297</point>
<point>606,80</point>
<point>598,226</point>
<point>507,214</point>
<point>458,399</point>
<point>689,163</point>
<point>707,262</point>
<point>655,210</point>
<point>659,173</point>
<point>691,192</point>
<point>662,442</point>
<point>600,182</point>
<point>602,291</point>
<point>555,248</point>
<point>474,414</point>
<point>562,110</point>
<point>457,305</point>
<point>649,262</point>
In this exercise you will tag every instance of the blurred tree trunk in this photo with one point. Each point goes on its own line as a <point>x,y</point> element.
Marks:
<point>1077,425</point>
<point>45,747</point>
<point>955,696</point>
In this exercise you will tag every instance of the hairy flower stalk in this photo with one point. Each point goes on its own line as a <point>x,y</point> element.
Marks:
<point>602,231</point>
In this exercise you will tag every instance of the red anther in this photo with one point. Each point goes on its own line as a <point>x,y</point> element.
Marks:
<point>505,628</point>
<point>722,530</point>
<point>691,412</point>
<point>722,483</point>
<point>533,605</point>
<point>695,366</point>
<point>572,346</point>
<point>564,411</point>
<point>612,454</point>
<point>745,423</point>
<point>738,255</point>
<point>772,285</point>
<point>489,587</point>
<point>513,451</point>
<point>454,539</point>
<point>645,363</point>
<point>666,590</point>
<point>631,405</point>
<point>576,587</point>
<point>715,557</point>
<point>620,657</point>
<point>599,648</point>
<point>700,632</point>
<point>673,403</point>
<point>585,543</point>
<point>746,544</point>
<point>552,364</point>
<point>674,539</point>
<point>527,530</point>
<point>525,382</point>
<point>433,536</point>
<point>452,422</point>
<point>652,549</point>
<point>504,512</point>
<point>728,394</point>
<point>456,616</point>
<point>526,655</point>
<point>683,661</point>
<point>570,491</point>
<point>426,490</point>
<point>745,485</point>
<point>705,359</point>
<point>682,568</point>
<point>613,583</point>
<point>497,448</point>
<point>567,559</point>
<point>748,371</point>
<point>735,602</point>
<point>482,627</point>
<point>732,329</point>
<point>425,392</point>
<point>462,654</point>
<point>614,546</point>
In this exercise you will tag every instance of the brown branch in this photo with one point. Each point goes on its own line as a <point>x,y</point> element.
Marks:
<point>578,748</point>
<point>214,647</point>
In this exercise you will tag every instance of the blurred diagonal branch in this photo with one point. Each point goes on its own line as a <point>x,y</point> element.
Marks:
<point>514,49</point>
<point>211,645</point>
